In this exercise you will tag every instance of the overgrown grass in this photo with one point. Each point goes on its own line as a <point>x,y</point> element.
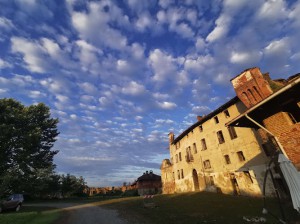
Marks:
<point>32,215</point>
<point>199,208</point>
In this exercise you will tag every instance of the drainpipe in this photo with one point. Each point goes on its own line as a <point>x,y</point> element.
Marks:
<point>262,127</point>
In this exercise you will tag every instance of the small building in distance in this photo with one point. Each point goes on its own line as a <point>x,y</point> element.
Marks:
<point>148,183</point>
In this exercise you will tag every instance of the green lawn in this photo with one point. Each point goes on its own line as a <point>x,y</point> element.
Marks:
<point>199,208</point>
<point>30,215</point>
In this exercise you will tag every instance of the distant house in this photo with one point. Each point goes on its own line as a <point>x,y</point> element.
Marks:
<point>148,183</point>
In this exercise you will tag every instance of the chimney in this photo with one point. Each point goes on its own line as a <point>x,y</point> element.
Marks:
<point>171,137</point>
<point>199,118</point>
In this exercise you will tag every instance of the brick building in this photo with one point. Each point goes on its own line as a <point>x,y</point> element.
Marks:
<point>148,183</point>
<point>210,156</point>
<point>277,117</point>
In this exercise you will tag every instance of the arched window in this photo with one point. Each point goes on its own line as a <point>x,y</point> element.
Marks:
<point>251,95</point>
<point>257,93</point>
<point>245,97</point>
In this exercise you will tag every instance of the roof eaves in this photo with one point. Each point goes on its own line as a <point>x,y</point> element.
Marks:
<point>205,118</point>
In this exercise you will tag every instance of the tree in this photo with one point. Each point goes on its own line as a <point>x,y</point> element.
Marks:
<point>72,186</point>
<point>27,135</point>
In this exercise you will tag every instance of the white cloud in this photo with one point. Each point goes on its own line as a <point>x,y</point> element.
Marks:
<point>199,63</point>
<point>183,30</point>
<point>73,116</point>
<point>62,98</point>
<point>94,25</point>
<point>164,3</point>
<point>200,43</point>
<point>88,87</point>
<point>36,94</point>
<point>163,65</point>
<point>134,89</point>
<point>277,46</point>
<point>201,110</point>
<point>161,96</point>
<point>5,64</point>
<point>143,22</point>
<point>166,105</point>
<point>294,15</point>
<point>273,10</point>
<point>164,121</point>
<point>33,54</point>
<point>245,57</point>
<point>6,23</point>
<point>221,28</point>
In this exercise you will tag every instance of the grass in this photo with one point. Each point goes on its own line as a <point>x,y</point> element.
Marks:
<point>32,215</point>
<point>199,208</point>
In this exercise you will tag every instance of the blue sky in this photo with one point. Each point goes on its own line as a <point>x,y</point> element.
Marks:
<point>120,75</point>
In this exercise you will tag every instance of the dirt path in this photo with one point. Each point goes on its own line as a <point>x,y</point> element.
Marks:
<point>89,213</point>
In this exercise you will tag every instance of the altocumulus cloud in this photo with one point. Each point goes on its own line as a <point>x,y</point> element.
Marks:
<point>120,75</point>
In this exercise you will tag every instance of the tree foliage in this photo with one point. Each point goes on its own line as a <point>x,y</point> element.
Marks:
<point>27,135</point>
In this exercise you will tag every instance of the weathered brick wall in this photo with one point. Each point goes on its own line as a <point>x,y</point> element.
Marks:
<point>288,134</point>
<point>168,182</point>
<point>290,140</point>
<point>251,87</point>
<point>278,123</point>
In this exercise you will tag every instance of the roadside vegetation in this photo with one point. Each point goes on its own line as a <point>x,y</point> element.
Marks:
<point>32,215</point>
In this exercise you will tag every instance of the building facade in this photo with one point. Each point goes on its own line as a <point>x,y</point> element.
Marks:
<point>148,184</point>
<point>210,156</point>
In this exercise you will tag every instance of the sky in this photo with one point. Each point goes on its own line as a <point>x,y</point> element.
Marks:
<point>120,75</point>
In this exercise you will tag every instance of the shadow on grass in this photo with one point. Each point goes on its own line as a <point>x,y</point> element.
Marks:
<point>200,207</point>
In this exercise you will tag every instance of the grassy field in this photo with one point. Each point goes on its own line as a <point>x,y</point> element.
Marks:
<point>30,215</point>
<point>199,208</point>
<point>177,208</point>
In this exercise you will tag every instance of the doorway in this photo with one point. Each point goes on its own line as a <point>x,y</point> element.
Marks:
<point>196,180</point>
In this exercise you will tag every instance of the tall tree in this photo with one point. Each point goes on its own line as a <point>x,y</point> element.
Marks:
<point>27,135</point>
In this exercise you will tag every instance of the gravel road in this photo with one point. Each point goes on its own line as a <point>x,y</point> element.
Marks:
<point>85,213</point>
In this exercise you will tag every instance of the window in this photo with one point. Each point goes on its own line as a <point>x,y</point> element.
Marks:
<point>173,176</point>
<point>203,143</point>
<point>241,156</point>
<point>216,119</point>
<point>201,128</point>
<point>256,91</point>
<point>226,112</point>
<point>178,174</point>
<point>189,156</point>
<point>176,158</point>
<point>251,94</point>
<point>180,156</point>
<point>206,164</point>
<point>171,160</point>
<point>220,137</point>
<point>177,145</point>
<point>195,148</point>
<point>248,175</point>
<point>232,132</point>
<point>182,174</point>
<point>227,159</point>
<point>245,97</point>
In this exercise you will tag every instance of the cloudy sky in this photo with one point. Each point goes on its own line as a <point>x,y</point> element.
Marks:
<point>120,75</point>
